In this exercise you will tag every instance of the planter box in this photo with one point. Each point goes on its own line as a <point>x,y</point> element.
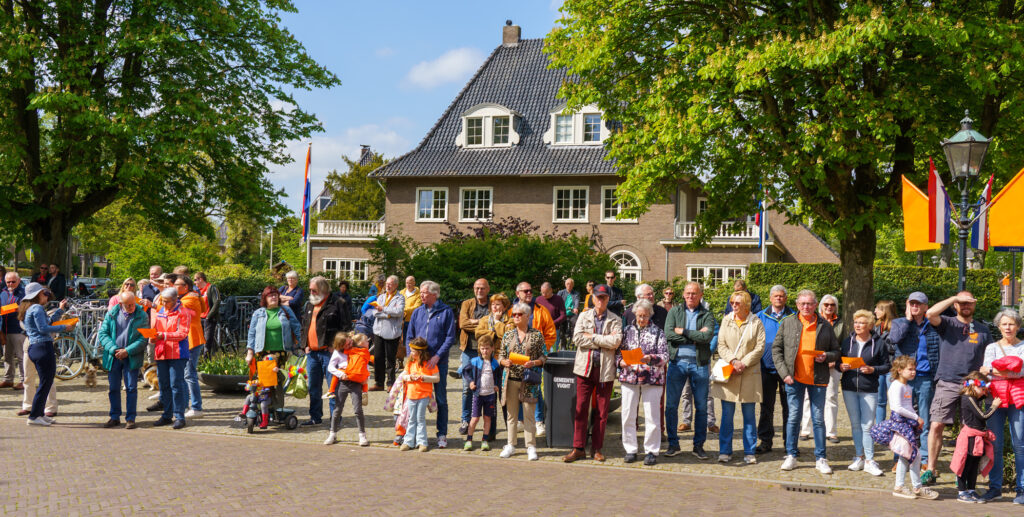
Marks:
<point>224,383</point>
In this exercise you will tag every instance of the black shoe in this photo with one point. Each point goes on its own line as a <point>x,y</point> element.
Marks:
<point>832,439</point>
<point>764,448</point>
<point>630,457</point>
<point>454,375</point>
<point>178,424</point>
<point>162,421</point>
<point>310,423</point>
<point>650,459</point>
<point>159,406</point>
<point>464,428</point>
<point>698,451</point>
<point>672,451</point>
<point>113,422</point>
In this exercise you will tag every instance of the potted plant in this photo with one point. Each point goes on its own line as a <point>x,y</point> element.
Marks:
<point>224,372</point>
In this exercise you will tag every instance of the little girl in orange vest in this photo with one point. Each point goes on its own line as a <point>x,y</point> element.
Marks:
<point>349,367</point>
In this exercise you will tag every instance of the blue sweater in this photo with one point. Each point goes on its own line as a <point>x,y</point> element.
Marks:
<point>437,326</point>
<point>771,327</point>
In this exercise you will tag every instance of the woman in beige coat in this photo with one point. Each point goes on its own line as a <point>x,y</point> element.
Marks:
<point>740,344</point>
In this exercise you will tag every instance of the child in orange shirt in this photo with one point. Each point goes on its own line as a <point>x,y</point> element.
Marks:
<point>360,341</point>
<point>349,366</point>
<point>419,378</point>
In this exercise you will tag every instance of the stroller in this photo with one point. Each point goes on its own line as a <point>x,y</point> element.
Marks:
<point>261,385</point>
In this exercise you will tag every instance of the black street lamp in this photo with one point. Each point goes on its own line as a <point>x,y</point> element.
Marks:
<point>965,152</point>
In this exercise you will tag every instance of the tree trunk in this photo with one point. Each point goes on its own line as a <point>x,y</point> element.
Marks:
<point>857,256</point>
<point>946,254</point>
<point>51,236</point>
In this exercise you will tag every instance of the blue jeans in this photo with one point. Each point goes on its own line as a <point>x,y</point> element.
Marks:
<point>883,398</point>
<point>861,408</point>
<point>173,394</point>
<point>725,430</point>
<point>924,389</point>
<point>996,425</point>
<point>795,395</point>
<point>441,394</point>
<point>678,373</point>
<point>416,434</point>
<point>192,378</point>
<point>467,396</point>
<point>120,373</point>
<point>316,369</point>
<point>44,358</point>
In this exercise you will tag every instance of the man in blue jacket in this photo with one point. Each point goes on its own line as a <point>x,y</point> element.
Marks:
<point>915,336</point>
<point>771,383</point>
<point>11,336</point>
<point>435,322</point>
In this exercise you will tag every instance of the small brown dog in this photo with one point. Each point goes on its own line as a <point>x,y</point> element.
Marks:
<point>150,376</point>
<point>90,376</point>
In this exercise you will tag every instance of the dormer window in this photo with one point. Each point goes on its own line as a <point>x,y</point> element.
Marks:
<point>583,128</point>
<point>487,126</point>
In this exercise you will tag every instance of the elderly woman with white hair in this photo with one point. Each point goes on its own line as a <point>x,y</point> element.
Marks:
<point>123,348</point>
<point>1007,384</point>
<point>520,341</point>
<point>172,324</point>
<point>828,308</point>
<point>741,342</point>
<point>642,382</point>
<point>291,293</point>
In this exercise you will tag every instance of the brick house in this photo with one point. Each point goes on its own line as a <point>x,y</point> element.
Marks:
<point>504,147</point>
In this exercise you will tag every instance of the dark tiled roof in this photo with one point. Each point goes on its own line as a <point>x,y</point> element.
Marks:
<point>518,78</point>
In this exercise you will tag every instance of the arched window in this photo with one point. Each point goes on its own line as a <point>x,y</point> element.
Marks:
<point>628,265</point>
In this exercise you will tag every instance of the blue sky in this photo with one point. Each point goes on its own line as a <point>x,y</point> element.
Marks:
<point>400,63</point>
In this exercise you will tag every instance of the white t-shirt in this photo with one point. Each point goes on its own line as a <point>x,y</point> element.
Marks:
<point>339,361</point>
<point>486,386</point>
<point>901,399</point>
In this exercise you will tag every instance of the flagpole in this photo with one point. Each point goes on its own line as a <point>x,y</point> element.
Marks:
<point>764,235</point>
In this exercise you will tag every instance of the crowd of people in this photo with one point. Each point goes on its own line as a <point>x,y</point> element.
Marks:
<point>902,378</point>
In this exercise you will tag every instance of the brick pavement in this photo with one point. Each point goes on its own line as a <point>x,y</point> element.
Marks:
<point>83,409</point>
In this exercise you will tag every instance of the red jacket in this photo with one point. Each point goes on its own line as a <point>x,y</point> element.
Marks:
<point>982,447</point>
<point>174,324</point>
<point>358,365</point>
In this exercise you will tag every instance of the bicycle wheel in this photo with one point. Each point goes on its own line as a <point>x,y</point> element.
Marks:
<point>71,358</point>
<point>226,340</point>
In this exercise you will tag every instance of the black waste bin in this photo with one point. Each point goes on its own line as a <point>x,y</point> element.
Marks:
<point>560,396</point>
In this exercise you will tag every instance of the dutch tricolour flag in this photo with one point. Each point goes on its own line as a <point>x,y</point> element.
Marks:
<point>306,201</point>
<point>979,230</point>
<point>938,207</point>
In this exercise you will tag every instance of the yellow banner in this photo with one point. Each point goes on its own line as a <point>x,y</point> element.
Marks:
<point>1005,224</point>
<point>915,219</point>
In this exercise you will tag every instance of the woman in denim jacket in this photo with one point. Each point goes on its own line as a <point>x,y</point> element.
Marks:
<point>39,331</point>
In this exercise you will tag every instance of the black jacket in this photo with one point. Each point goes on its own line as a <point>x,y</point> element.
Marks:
<point>333,317</point>
<point>875,353</point>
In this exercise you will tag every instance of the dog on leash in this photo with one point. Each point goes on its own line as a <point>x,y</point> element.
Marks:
<point>90,376</point>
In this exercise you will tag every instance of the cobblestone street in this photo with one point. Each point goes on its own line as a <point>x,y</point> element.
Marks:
<point>213,468</point>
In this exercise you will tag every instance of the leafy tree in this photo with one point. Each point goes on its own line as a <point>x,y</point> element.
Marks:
<point>288,243</point>
<point>357,196</point>
<point>175,107</point>
<point>243,241</point>
<point>822,105</point>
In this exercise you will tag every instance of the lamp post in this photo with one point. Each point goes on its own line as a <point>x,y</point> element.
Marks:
<point>965,152</point>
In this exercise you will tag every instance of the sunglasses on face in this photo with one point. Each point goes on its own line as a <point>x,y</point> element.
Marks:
<point>514,314</point>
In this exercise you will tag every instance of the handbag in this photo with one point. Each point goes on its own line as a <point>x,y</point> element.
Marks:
<point>531,376</point>
<point>717,371</point>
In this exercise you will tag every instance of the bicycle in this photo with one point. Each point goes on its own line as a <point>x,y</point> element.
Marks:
<point>75,350</point>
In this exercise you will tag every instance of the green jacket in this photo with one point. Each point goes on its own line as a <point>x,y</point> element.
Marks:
<point>677,318</point>
<point>136,343</point>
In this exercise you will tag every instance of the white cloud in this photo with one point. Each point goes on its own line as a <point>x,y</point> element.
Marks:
<point>384,138</point>
<point>454,65</point>
<point>384,52</point>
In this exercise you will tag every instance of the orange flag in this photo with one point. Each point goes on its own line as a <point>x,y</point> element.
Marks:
<point>1005,225</point>
<point>915,219</point>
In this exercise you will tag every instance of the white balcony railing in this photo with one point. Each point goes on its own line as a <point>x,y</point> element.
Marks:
<point>687,230</point>
<point>349,228</point>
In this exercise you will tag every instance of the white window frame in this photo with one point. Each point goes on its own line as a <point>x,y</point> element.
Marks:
<point>701,200</point>
<point>494,133</point>
<point>586,203</point>
<point>600,126</point>
<point>604,194</point>
<point>706,272</point>
<point>681,205</point>
<point>462,204</point>
<point>578,118</point>
<point>483,131</point>
<point>569,140</point>
<point>357,268</point>
<point>628,272</point>
<point>416,205</point>
<point>487,112</point>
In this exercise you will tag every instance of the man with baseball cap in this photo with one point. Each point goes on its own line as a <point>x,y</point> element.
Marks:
<point>915,336</point>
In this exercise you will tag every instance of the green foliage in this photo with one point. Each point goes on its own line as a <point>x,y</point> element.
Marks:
<point>357,197</point>
<point>180,108</point>
<point>392,251</point>
<point>288,243</point>
<point>239,280</point>
<point>891,282</point>
<point>223,364</point>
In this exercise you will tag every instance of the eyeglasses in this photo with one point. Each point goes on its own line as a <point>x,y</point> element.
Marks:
<point>12,282</point>
<point>828,304</point>
<point>526,290</point>
<point>514,314</point>
<point>669,293</point>
<point>609,277</point>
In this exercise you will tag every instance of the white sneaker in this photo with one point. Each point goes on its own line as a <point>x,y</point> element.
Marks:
<point>750,459</point>
<point>49,420</point>
<point>858,464</point>
<point>789,463</point>
<point>193,414</point>
<point>507,451</point>
<point>442,441</point>
<point>541,430</point>
<point>38,421</point>
<point>724,458</point>
<point>363,442</point>
<point>531,453</point>
<point>872,468</point>
<point>331,438</point>
<point>822,466</point>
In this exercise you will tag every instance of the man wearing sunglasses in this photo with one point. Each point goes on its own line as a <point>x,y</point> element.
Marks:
<point>11,335</point>
<point>615,303</point>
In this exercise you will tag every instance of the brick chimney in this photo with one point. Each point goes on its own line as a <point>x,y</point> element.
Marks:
<point>510,34</point>
<point>365,156</point>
